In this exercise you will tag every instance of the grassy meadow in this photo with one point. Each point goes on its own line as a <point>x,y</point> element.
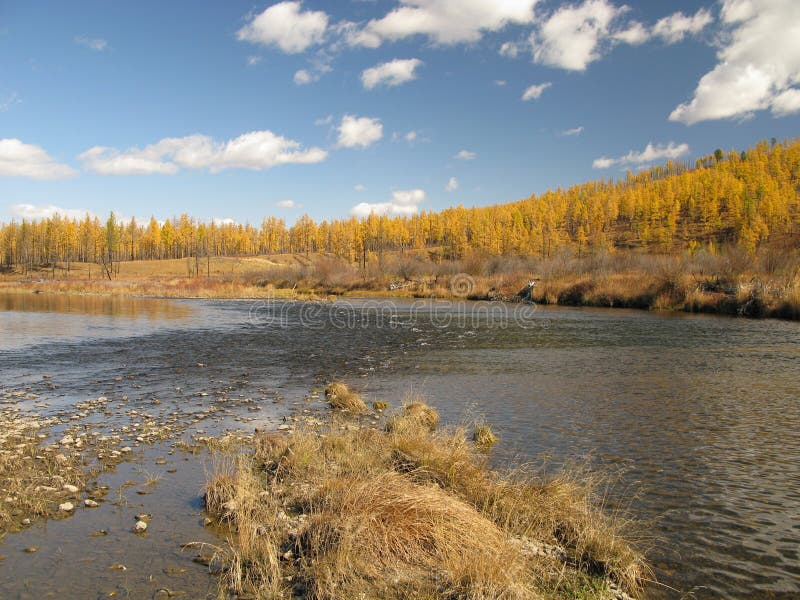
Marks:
<point>728,281</point>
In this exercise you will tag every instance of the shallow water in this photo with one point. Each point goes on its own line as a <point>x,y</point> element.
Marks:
<point>698,415</point>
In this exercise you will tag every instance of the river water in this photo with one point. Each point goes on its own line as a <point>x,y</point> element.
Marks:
<point>697,417</point>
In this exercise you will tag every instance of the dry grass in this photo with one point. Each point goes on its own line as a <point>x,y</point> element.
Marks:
<point>32,475</point>
<point>674,280</point>
<point>408,514</point>
<point>483,436</point>
<point>415,414</point>
<point>341,397</point>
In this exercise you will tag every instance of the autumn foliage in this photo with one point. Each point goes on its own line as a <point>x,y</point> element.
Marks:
<point>740,199</point>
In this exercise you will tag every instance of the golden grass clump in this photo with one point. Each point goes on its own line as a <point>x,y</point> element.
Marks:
<point>414,415</point>
<point>483,436</point>
<point>342,397</point>
<point>408,513</point>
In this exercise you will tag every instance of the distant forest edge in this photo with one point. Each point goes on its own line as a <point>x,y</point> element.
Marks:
<point>744,199</point>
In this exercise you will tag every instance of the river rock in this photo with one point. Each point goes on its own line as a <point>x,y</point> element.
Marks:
<point>89,503</point>
<point>72,489</point>
<point>140,527</point>
<point>66,507</point>
<point>67,440</point>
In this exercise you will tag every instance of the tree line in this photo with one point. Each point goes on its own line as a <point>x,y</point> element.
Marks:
<point>742,198</point>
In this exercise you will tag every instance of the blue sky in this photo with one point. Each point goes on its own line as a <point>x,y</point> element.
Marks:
<point>238,110</point>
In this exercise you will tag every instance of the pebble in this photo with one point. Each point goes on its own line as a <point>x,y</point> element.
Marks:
<point>72,489</point>
<point>90,503</point>
<point>66,507</point>
<point>140,527</point>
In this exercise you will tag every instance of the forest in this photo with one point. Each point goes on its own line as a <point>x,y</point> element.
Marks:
<point>736,199</point>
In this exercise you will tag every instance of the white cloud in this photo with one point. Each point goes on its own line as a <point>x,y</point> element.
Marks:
<point>18,159</point>
<point>403,202</point>
<point>443,21</point>
<point>533,92</point>
<point>33,212</point>
<point>390,74</point>
<point>286,26</point>
<point>452,185</point>
<point>573,131</point>
<point>650,154</point>
<point>253,60</point>
<point>500,82</point>
<point>324,121</point>
<point>6,102</point>
<point>466,155</point>
<point>360,187</point>
<point>410,137</point>
<point>635,34</point>
<point>786,103</point>
<point>359,131</point>
<point>256,150</point>
<point>303,77</point>
<point>510,49</point>
<point>674,28</point>
<point>96,44</point>
<point>574,36</point>
<point>759,61</point>
<point>287,204</point>
<point>224,221</point>
<point>569,38</point>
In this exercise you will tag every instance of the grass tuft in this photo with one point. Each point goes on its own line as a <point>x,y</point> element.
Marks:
<point>409,513</point>
<point>483,436</point>
<point>342,397</point>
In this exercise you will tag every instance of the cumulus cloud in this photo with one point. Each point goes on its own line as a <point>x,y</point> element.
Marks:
<point>36,212</point>
<point>287,204</point>
<point>403,202</point>
<point>570,37</point>
<point>574,131</point>
<point>452,185</point>
<point>443,21</point>
<point>574,36</point>
<point>634,34</point>
<point>286,26</point>
<point>674,28</point>
<point>360,187</point>
<point>256,150</point>
<point>758,63</point>
<point>18,159</point>
<point>466,155</point>
<point>96,44</point>
<point>786,103</point>
<point>650,154</point>
<point>359,132</point>
<point>390,74</point>
<point>533,92</point>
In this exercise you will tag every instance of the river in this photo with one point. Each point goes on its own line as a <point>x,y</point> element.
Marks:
<point>696,418</point>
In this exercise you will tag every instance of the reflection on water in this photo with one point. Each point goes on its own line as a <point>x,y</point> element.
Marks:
<point>701,412</point>
<point>27,319</point>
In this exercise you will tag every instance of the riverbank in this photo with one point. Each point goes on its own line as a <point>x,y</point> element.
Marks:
<point>348,511</point>
<point>328,504</point>
<point>752,299</point>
